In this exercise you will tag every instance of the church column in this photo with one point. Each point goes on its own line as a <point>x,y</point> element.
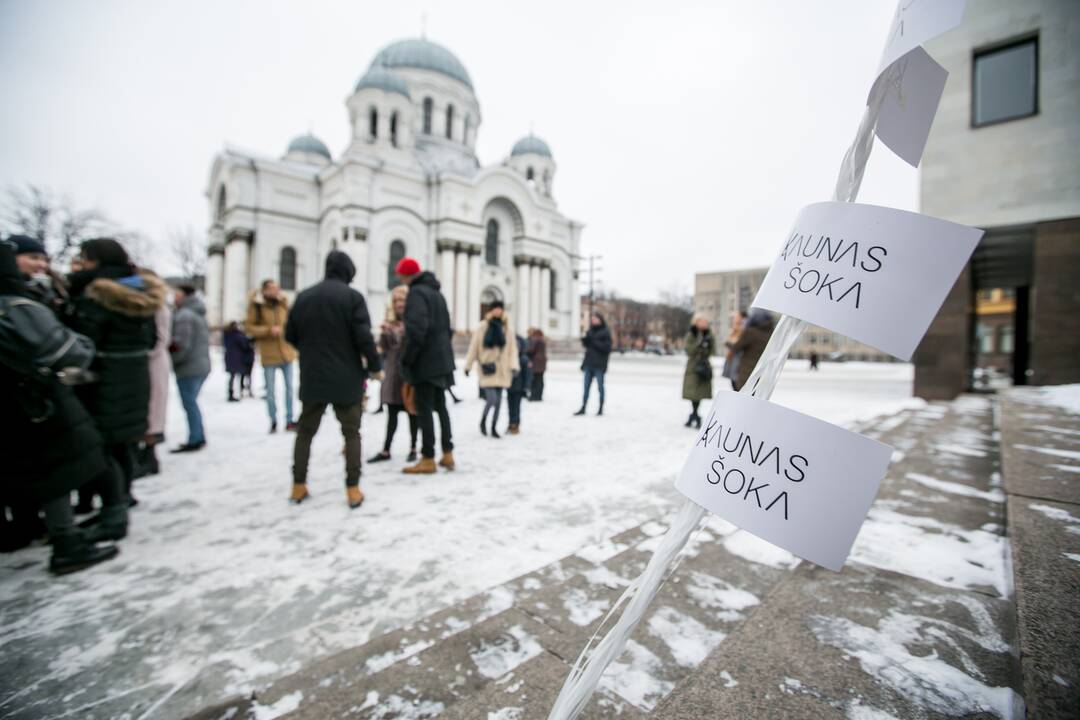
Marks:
<point>534,295</point>
<point>215,270</point>
<point>545,298</point>
<point>472,310</point>
<point>461,289</point>
<point>520,312</point>
<point>446,279</point>
<point>237,281</point>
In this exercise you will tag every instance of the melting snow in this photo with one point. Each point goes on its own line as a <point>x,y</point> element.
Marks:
<point>689,641</point>
<point>286,704</point>
<point>729,682</point>
<point>634,677</point>
<point>752,548</point>
<point>713,593</point>
<point>1060,515</point>
<point>1069,454</point>
<point>506,653</point>
<point>956,488</point>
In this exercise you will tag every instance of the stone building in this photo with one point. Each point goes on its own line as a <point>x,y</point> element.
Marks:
<point>408,183</point>
<point>720,294</point>
<point>1004,155</point>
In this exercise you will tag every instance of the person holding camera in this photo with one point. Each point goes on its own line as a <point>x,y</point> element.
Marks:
<point>495,350</point>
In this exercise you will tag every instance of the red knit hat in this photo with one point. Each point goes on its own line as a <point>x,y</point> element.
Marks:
<point>407,266</point>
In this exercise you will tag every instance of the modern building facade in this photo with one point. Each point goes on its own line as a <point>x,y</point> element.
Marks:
<point>719,295</point>
<point>408,184</point>
<point>1004,155</point>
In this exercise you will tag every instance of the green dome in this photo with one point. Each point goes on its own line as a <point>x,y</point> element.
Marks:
<point>425,55</point>
<point>310,144</point>
<point>531,145</point>
<point>381,78</point>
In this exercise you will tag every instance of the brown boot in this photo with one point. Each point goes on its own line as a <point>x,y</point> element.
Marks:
<point>299,493</point>
<point>355,497</point>
<point>447,461</point>
<point>513,430</point>
<point>426,466</point>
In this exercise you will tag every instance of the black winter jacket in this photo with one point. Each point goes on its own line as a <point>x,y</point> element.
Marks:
<point>115,307</point>
<point>330,327</point>
<point>597,343</point>
<point>428,356</point>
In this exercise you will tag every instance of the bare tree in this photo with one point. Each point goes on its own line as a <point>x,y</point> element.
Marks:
<point>189,252</point>
<point>37,212</point>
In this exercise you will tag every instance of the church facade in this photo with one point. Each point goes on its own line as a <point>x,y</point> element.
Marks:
<point>408,184</point>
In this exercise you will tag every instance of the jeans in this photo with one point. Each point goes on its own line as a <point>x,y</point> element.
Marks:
<point>271,400</point>
<point>430,398</point>
<point>513,401</point>
<point>348,417</point>
<point>492,399</point>
<point>189,393</point>
<point>591,373</point>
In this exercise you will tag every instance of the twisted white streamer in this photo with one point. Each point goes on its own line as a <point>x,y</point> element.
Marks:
<point>586,673</point>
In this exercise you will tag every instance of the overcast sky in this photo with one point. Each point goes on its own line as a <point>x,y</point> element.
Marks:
<point>687,134</point>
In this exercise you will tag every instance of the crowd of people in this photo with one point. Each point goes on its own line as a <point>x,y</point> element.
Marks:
<point>87,358</point>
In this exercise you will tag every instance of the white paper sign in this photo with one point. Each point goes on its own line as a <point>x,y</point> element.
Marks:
<point>916,22</point>
<point>872,273</point>
<point>788,478</point>
<point>912,87</point>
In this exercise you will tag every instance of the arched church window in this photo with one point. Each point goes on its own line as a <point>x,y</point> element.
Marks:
<point>553,296</point>
<point>429,109</point>
<point>393,129</point>
<point>465,134</point>
<point>287,269</point>
<point>397,251</point>
<point>219,211</point>
<point>530,174</point>
<point>449,122</point>
<point>491,244</point>
<point>373,123</point>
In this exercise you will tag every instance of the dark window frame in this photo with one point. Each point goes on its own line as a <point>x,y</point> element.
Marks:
<point>394,258</point>
<point>491,242</point>
<point>429,112</point>
<point>1032,37</point>
<point>287,282</point>
<point>553,287</point>
<point>393,128</point>
<point>373,122</point>
<point>450,122</point>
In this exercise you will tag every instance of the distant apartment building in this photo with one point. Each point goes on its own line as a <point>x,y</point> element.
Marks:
<point>719,295</point>
<point>1004,155</point>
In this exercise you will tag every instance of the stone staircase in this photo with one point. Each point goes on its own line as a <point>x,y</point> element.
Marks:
<point>920,623</point>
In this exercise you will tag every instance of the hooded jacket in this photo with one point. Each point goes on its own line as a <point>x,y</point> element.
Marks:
<point>597,344</point>
<point>330,327</point>
<point>190,339</point>
<point>428,356</point>
<point>114,306</point>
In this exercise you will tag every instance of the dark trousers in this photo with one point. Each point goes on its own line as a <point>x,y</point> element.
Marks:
<point>492,401</point>
<point>429,399</point>
<point>348,416</point>
<point>391,426</point>
<point>245,383</point>
<point>513,401</point>
<point>120,459</point>
<point>536,392</point>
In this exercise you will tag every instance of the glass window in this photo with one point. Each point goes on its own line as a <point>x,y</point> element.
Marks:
<point>429,108</point>
<point>491,243</point>
<point>553,294</point>
<point>397,251</point>
<point>984,338</point>
<point>393,129</point>
<point>373,123</point>
<point>465,133</point>
<point>1005,83</point>
<point>1006,343</point>
<point>449,122</point>
<point>287,269</point>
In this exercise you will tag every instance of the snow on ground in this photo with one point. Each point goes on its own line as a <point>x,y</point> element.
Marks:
<point>224,586</point>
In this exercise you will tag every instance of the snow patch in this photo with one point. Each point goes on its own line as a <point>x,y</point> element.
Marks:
<point>1060,515</point>
<point>956,488</point>
<point>509,650</point>
<point>381,662</point>
<point>399,708</point>
<point>582,611</point>
<point>286,704</point>
<point>729,682</point>
<point>857,711</point>
<point>1066,468</point>
<point>689,641</point>
<point>634,677</point>
<point>1058,430</point>
<point>600,552</point>
<point>600,575</point>
<point>507,713</point>
<point>713,593</point>
<point>752,548</point>
<point>960,450</point>
<point>1068,454</point>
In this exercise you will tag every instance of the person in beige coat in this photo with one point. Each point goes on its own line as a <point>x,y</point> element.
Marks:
<point>160,373</point>
<point>494,349</point>
<point>267,314</point>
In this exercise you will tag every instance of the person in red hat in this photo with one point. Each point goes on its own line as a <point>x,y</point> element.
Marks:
<point>427,361</point>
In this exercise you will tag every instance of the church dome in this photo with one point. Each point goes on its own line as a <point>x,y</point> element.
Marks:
<point>531,144</point>
<point>381,78</point>
<point>309,144</point>
<point>425,55</point>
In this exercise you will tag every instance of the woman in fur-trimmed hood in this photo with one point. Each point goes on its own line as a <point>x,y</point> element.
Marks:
<point>113,303</point>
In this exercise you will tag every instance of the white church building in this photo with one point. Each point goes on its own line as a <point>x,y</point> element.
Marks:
<point>408,184</point>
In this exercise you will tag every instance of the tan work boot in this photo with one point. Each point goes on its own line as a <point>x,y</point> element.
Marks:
<point>447,461</point>
<point>426,466</point>
<point>299,493</point>
<point>513,430</point>
<point>355,497</point>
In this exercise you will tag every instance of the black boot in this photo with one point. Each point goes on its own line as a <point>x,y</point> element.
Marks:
<point>581,411</point>
<point>495,433</point>
<point>150,464</point>
<point>697,422</point>
<point>483,426</point>
<point>601,410</point>
<point>113,525</point>
<point>690,420</point>
<point>379,457</point>
<point>72,552</point>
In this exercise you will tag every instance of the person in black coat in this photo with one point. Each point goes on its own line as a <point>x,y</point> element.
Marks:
<point>49,442</point>
<point>113,304</point>
<point>237,349</point>
<point>519,387</point>
<point>330,327</point>
<point>597,344</point>
<point>427,361</point>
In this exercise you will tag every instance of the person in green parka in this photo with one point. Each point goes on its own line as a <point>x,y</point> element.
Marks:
<point>697,379</point>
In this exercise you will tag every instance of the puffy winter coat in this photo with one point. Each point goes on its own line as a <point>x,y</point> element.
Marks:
<point>751,343</point>
<point>597,344</point>
<point>237,345</point>
<point>391,341</point>
<point>428,356</point>
<point>329,325</point>
<point>190,339</point>
<point>536,349</point>
<point>504,358</point>
<point>699,348</point>
<point>115,309</point>
<point>262,315</point>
